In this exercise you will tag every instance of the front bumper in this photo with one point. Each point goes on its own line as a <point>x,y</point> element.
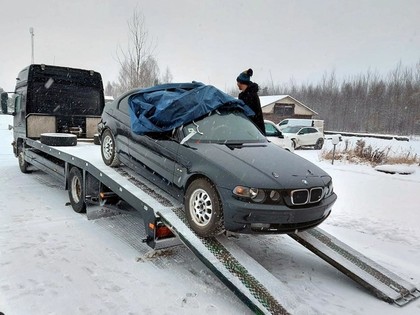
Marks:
<point>247,217</point>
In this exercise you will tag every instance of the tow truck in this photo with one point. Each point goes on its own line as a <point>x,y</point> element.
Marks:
<point>56,110</point>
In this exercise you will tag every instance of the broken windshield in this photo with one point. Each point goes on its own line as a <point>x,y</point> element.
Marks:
<point>223,127</point>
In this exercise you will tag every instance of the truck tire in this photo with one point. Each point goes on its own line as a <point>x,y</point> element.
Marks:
<point>23,165</point>
<point>109,149</point>
<point>76,190</point>
<point>59,139</point>
<point>203,208</point>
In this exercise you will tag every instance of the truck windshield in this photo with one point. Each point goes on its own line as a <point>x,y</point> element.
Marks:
<point>65,99</point>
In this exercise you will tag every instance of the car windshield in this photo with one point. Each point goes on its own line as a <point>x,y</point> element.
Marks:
<point>292,129</point>
<point>223,127</point>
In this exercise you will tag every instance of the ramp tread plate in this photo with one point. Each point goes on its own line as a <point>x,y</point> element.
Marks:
<point>385,284</point>
<point>225,266</point>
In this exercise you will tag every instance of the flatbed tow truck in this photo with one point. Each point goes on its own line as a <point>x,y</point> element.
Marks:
<point>103,191</point>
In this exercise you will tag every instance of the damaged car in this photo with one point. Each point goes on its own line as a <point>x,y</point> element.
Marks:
<point>200,145</point>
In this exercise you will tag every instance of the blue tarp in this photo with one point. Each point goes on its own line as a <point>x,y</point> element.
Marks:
<point>168,106</point>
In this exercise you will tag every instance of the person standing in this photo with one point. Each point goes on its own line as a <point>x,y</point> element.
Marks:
<point>249,95</point>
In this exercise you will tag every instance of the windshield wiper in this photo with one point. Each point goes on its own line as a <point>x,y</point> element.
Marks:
<point>239,144</point>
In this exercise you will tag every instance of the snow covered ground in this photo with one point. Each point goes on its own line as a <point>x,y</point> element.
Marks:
<point>55,261</point>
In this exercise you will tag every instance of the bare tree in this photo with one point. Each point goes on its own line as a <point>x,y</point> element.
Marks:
<point>138,66</point>
<point>109,89</point>
<point>167,76</point>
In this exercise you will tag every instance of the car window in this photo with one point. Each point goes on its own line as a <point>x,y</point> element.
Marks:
<point>270,130</point>
<point>223,127</point>
<point>123,105</point>
<point>291,129</point>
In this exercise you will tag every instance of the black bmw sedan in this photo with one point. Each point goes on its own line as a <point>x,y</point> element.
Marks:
<point>226,173</point>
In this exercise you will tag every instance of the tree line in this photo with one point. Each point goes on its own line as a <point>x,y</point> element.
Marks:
<point>369,102</point>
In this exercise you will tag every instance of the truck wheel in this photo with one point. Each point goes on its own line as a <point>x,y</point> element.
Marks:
<point>108,149</point>
<point>23,165</point>
<point>319,143</point>
<point>203,208</point>
<point>76,191</point>
<point>59,139</point>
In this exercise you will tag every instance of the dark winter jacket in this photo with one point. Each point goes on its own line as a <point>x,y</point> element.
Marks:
<point>250,98</point>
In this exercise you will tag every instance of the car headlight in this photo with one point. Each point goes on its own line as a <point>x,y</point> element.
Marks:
<point>257,195</point>
<point>328,190</point>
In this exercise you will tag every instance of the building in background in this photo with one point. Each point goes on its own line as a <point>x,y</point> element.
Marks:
<point>279,107</point>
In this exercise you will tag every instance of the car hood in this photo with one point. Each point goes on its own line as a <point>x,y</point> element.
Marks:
<point>264,166</point>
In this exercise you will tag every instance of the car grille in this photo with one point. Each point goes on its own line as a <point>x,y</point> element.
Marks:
<point>304,196</point>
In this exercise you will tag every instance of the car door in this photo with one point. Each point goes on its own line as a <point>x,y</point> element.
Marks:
<point>157,151</point>
<point>275,136</point>
<point>312,136</point>
<point>304,136</point>
<point>122,128</point>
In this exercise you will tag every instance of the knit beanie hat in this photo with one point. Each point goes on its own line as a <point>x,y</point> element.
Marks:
<point>245,77</point>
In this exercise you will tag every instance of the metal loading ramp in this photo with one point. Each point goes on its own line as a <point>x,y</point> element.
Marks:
<point>381,282</point>
<point>254,285</point>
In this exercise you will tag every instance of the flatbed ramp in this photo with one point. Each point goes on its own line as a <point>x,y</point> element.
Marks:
<point>375,278</point>
<point>254,285</point>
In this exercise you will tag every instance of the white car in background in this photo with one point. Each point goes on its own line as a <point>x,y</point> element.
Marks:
<point>304,136</point>
<point>274,134</point>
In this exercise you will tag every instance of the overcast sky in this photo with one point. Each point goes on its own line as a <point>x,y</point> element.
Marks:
<point>212,41</point>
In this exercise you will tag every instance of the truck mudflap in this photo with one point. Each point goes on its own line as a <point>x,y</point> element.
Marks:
<point>381,282</point>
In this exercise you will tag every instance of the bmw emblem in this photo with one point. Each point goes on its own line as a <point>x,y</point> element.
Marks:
<point>304,181</point>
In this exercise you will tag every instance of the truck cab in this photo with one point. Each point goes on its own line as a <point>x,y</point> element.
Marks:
<point>52,99</point>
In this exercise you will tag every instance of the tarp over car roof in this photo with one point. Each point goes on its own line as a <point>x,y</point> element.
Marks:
<point>165,107</point>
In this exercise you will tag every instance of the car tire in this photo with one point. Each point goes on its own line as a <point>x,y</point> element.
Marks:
<point>59,139</point>
<point>109,149</point>
<point>23,165</point>
<point>319,144</point>
<point>294,144</point>
<point>76,190</point>
<point>203,208</point>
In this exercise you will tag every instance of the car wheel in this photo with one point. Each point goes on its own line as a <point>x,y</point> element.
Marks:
<point>319,143</point>
<point>203,208</point>
<point>23,165</point>
<point>294,144</point>
<point>108,149</point>
<point>58,139</point>
<point>76,192</point>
